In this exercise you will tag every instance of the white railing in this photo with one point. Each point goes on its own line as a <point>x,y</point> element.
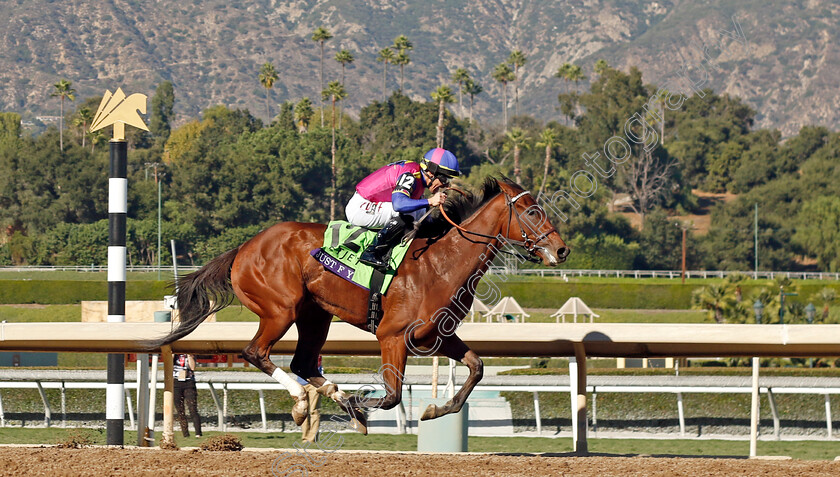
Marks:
<point>224,382</point>
<point>673,274</point>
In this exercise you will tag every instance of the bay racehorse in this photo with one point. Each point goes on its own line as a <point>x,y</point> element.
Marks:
<point>274,275</point>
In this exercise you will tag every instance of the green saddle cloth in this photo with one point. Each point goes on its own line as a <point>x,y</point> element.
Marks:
<point>345,242</point>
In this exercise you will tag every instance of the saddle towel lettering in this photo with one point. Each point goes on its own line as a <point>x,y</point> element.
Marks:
<point>343,243</point>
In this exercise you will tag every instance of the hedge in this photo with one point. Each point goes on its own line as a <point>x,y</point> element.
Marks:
<point>530,293</point>
<point>60,292</point>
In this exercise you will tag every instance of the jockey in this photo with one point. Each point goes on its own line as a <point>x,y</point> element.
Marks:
<point>392,197</point>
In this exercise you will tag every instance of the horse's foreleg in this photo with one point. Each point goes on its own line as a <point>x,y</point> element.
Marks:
<point>390,375</point>
<point>453,348</point>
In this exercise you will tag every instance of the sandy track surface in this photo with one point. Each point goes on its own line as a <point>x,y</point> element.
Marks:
<point>53,461</point>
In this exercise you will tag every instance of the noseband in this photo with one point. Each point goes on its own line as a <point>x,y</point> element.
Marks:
<point>529,244</point>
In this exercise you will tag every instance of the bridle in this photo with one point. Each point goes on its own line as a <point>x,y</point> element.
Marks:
<point>529,244</point>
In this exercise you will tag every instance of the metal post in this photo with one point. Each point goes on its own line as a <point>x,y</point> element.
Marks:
<point>224,407</point>
<point>772,400</point>
<point>681,413</point>
<point>537,412</point>
<point>142,398</point>
<point>754,410</point>
<point>117,208</point>
<point>218,405</point>
<point>47,410</point>
<point>63,406</point>
<point>127,403</point>
<point>153,372</point>
<point>2,413</point>
<point>756,240</point>
<point>262,409</point>
<point>828,414</point>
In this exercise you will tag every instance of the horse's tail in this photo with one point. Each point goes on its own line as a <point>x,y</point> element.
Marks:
<point>200,294</point>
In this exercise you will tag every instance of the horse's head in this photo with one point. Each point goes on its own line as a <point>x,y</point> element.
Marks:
<point>528,225</point>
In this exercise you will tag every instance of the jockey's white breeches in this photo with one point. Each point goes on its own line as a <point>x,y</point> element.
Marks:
<point>373,215</point>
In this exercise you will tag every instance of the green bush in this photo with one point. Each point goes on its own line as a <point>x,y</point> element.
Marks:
<point>53,292</point>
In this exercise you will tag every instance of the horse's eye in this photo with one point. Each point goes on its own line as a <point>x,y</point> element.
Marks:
<point>532,212</point>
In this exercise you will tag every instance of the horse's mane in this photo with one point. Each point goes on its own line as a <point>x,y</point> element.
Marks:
<point>460,207</point>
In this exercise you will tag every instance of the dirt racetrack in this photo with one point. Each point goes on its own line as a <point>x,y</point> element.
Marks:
<point>53,462</point>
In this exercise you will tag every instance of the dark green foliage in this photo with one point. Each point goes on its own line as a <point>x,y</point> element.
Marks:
<point>50,292</point>
<point>661,244</point>
<point>162,106</point>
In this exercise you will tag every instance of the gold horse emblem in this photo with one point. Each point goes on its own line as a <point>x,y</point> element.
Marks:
<point>119,110</point>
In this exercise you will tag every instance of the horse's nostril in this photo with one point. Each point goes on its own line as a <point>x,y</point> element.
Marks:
<point>562,252</point>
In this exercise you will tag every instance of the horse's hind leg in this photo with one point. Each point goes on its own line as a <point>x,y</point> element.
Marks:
<point>453,348</point>
<point>313,325</point>
<point>258,352</point>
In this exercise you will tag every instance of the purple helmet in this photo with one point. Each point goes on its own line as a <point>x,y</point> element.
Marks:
<point>439,161</point>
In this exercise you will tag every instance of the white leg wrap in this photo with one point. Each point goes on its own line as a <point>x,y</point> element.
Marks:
<point>291,385</point>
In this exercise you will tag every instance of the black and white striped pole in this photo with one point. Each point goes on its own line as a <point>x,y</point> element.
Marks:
<point>117,110</point>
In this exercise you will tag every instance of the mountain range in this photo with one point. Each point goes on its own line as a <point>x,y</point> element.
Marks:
<point>778,56</point>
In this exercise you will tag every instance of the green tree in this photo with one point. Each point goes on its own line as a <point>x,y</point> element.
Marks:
<point>303,114</point>
<point>548,140</point>
<point>162,112</point>
<point>344,57</point>
<point>402,45</point>
<point>63,90</point>
<point>601,66</point>
<point>818,231</point>
<point>442,96</point>
<point>473,89</point>
<point>459,77</point>
<point>83,117</point>
<point>268,75</point>
<point>717,299</point>
<point>517,140</point>
<point>517,59</point>
<point>504,75</point>
<point>826,296</point>
<point>335,92</point>
<point>386,56</point>
<point>320,36</point>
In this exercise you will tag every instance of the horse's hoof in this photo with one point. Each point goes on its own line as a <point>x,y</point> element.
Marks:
<point>300,410</point>
<point>327,390</point>
<point>431,413</point>
<point>360,425</point>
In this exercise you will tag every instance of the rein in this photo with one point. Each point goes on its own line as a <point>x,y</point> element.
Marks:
<point>530,245</point>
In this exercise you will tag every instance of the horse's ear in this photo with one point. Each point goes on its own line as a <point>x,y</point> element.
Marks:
<point>508,186</point>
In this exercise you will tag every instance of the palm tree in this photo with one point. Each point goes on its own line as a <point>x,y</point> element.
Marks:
<point>303,114</point>
<point>600,67</point>
<point>345,58</point>
<point>718,299</point>
<point>472,88</point>
<point>516,140</point>
<point>548,140</point>
<point>268,75</point>
<point>565,73</point>
<point>503,74</point>
<point>386,55</point>
<point>84,116</point>
<point>335,92</point>
<point>63,89</point>
<point>443,95</point>
<point>401,60</point>
<point>320,36</point>
<point>402,45</point>
<point>460,76</point>
<point>517,59</point>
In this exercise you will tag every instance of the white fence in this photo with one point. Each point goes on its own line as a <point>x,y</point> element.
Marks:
<point>217,383</point>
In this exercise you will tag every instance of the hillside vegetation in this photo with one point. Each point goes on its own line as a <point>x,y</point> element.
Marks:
<point>781,62</point>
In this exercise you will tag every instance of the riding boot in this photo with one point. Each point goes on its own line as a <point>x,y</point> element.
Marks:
<point>390,235</point>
